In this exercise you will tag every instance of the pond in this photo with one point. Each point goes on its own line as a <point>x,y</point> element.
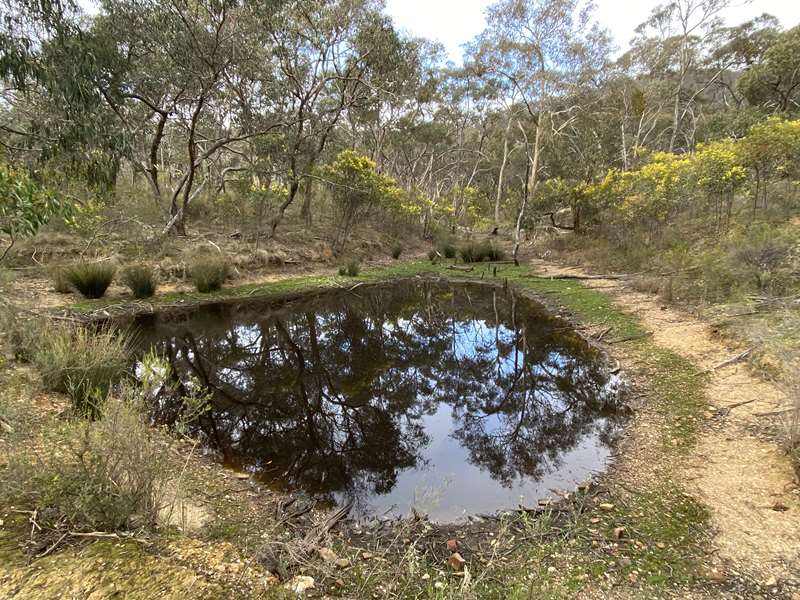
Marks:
<point>453,399</point>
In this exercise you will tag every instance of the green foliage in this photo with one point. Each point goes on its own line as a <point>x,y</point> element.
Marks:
<point>110,474</point>
<point>141,280</point>
<point>774,82</point>
<point>91,279</point>
<point>356,188</point>
<point>25,205</point>
<point>80,362</point>
<point>208,274</point>
<point>351,269</point>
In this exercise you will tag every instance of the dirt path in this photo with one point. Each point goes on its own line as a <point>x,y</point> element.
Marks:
<point>737,471</point>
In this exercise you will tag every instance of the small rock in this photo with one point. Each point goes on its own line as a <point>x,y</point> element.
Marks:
<point>619,533</point>
<point>551,569</point>
<point>342,563</point>
<point>772,582</point>
<point>606,506</point>
<point>425,576</point>
<point>327,555</point>
<point>366,555</point>
<point>661,545</point>
<point>452,545</point>
<point>300,584</point>
<point>456,562</point>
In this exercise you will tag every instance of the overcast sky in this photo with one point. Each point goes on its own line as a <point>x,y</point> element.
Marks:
<point>454,22</point>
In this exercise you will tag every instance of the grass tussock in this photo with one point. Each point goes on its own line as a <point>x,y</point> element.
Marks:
<point>61,283</point>
<point>396,251</point>
<point>80,362</point>
<point>141,280</point>
<point>209,274</point>
<point>475,252</point>
<point>351,269</point>
<point>90,279</point>
<point>447,248</point>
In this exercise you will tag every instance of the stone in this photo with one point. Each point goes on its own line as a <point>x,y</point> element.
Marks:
<point>342,563</point>
<point>366,555</point>
<point>456,562</point>
<point>327,555</point>
<point>606,506</point>
<point>425,576</point>
<point>772,582</point>
<point>619,533</point>
<point>452,545</point>
<point>300,584</point>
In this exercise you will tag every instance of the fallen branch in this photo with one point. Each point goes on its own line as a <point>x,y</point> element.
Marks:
<point>603,334</point>
<point>775,412</point>
<point>457,268</point>
<point>730,361</point>
<point>630,338</point>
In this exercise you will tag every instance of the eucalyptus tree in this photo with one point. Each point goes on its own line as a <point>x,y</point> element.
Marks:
<point>332,57</point>
<point>675,40</point>
<point>542,48</point>
<point>774,81</point>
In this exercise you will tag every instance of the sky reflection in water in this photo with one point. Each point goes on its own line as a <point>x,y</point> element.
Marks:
<point>453,398</point>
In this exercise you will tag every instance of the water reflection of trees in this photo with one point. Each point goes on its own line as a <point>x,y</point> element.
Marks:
<point>329,395</point>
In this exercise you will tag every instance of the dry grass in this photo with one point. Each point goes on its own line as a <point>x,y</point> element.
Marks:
<point>80,362</point>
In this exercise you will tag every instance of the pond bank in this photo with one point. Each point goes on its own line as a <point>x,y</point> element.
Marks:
<point>643,530</point>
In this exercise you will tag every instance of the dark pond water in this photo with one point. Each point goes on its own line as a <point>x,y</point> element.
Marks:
<point>453,399</point>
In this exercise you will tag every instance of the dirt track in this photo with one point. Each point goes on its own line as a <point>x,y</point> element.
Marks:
<point>735,469</point>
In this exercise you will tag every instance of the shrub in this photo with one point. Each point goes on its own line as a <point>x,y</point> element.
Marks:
<point>81,362</point>
<point>90,279</point>
<point>397,250</point>
<point>109,474</point>
<point>208,274</point>
<point>61,283</point>
<point>141,280</point>
<point>351,269</point>
<point>480,252</point>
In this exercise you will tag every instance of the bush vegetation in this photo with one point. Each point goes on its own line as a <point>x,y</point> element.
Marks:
<point>90,279</point>
<point>351,269</point>
<point>110,474</point>
<point>141,280</point>
<point>79,361</point>
<point>473,252</point>
<point>209,274</point>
